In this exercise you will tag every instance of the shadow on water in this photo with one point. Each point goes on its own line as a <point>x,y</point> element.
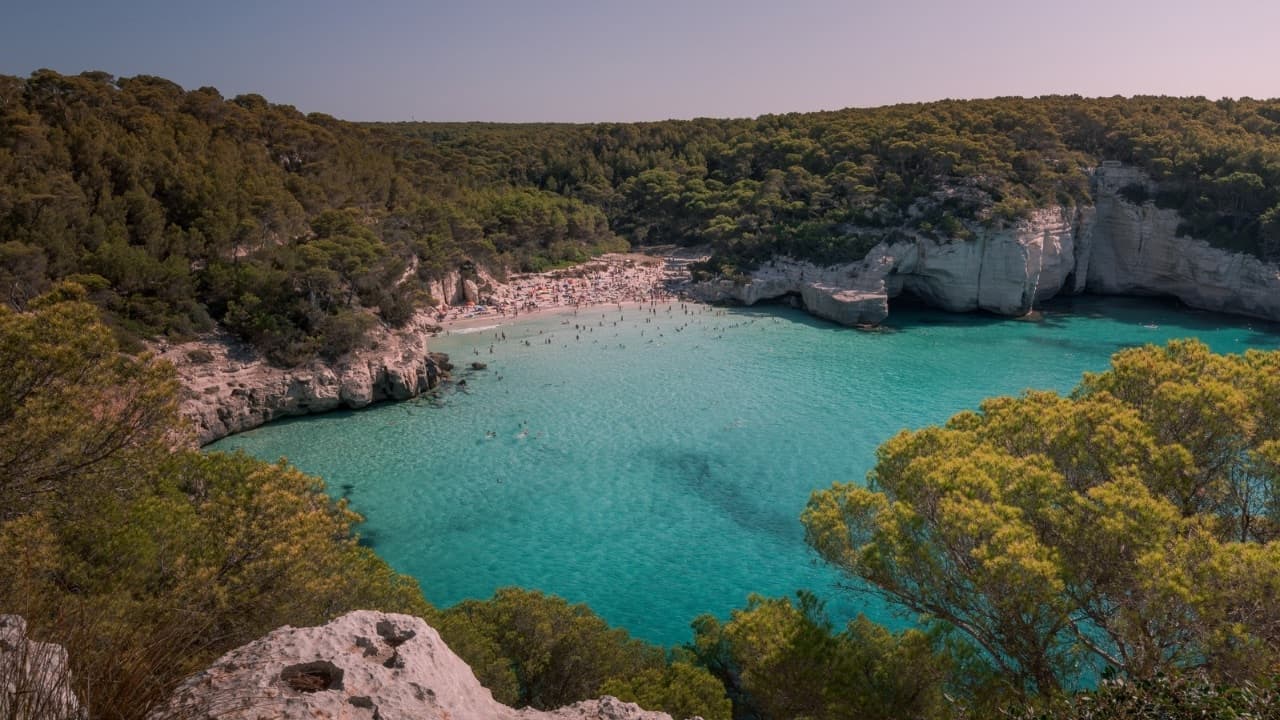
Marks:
<point>1058,313</point>
<point>1160,312</point>
<point>1263,339</point>
<point>904,314</point>
<point>341,414</point>
<point>702,475</point>
<point>782,310</point>
<point>368,537</point>
<point>908,312</point>
<point>1102,347</point>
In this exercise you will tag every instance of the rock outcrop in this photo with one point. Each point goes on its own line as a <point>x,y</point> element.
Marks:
<point>1137,251</point>
<point>35,679</point>
<point>455,289</point>
<point>1112,247</point>
<point>228,387</point>
<point>364,666</point>
<point>1001,271</point>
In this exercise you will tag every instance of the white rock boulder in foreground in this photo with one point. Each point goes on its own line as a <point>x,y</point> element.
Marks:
<point>35,680</point>
<point>364,665</point>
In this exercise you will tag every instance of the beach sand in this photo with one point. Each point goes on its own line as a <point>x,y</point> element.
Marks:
<point>618,280</point>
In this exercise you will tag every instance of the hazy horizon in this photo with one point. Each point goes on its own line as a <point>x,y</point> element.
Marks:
<point>580,62</point>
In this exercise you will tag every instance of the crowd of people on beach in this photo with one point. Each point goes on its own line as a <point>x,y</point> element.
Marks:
<point>609,280</point>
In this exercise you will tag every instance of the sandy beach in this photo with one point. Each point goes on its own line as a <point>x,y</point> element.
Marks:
<point>617,280</point>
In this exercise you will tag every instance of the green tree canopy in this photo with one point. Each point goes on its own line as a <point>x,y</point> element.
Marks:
<point>193,208</point>
<point>148,562</point>
<point>1131,525</point>
<point>784,659</point>
<point>539,651</point>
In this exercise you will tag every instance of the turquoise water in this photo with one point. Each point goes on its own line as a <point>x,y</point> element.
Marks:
<point>658,476</point>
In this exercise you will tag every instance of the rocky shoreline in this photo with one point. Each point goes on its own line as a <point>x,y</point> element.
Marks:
<point>1114,247</point>
<point>227,387</point>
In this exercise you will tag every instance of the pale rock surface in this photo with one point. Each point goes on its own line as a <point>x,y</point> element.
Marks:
<point>228,387</point>
<point>447,290</point>
<point>35,680</point>
<point>1113,247</point>
<point>453,289</point>
<point>364,665</point>
<point>1137,251</point>
<point>1001,271</point>
<point>470,291</point>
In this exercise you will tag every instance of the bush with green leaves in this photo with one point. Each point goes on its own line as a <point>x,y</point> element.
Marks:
<point>1132,525</point>
<point>539,651</point>
<point>784,659</point>
<point>145,561</point>
<point>1165,697</point>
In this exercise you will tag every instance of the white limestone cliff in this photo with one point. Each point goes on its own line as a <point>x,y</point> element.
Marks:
<point>1137,251</point>
<point>364,665</point>
<point>1003,271</point>
<point>1112,247</point>
<point>227,387</point>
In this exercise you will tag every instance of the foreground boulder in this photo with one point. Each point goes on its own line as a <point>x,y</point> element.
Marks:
<point>35,682</point>
<point>363,665</point>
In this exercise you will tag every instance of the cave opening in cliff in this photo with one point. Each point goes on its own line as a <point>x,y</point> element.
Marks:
<point>907,300</point>
<point>790,299</point>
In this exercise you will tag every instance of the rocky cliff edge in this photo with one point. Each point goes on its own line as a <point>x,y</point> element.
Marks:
<point>1114,247</point>
<point>364,665</point>
<point>227,387</point>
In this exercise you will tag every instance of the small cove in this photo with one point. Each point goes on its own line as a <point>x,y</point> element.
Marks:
<point>657,473</point>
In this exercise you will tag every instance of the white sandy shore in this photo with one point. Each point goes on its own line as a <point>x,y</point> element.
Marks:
<point>480,323</point>
<point>616,280</point>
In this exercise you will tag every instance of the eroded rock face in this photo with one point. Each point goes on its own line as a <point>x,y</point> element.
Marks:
<point>35,680</point>
<point>454,288</point>
<point>228,387</point>
<point>1002,271</point>
<point>363,665</point>
<point>1137,251</point>
<point>1113,247</point>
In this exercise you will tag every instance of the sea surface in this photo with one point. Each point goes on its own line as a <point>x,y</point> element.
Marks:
<point>655,466</point>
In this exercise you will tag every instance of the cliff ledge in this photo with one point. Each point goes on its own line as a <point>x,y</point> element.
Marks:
<point>1114,247</point>
<point>228,387</point>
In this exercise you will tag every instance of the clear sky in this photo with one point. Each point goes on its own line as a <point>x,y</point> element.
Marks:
<point>609,60</point>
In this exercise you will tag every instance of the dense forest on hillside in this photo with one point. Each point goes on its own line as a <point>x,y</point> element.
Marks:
<point>179,208</point>
<point>822,185</point>
<point>300,232</point>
